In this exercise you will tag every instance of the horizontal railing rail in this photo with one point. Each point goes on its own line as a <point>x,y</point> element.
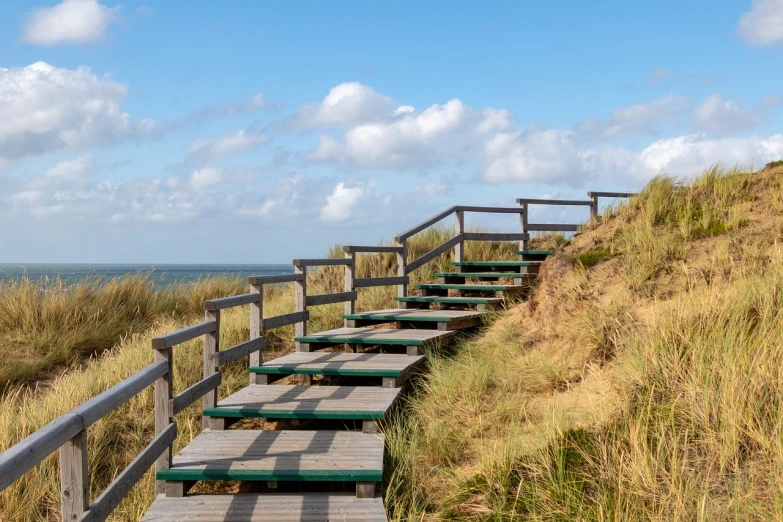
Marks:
<point>273,279</point>
<point>319,262</point>
<point>230,302</point>
<point>371,249</point>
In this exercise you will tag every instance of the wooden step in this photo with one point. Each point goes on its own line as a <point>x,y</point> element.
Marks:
<point>471,288</point>
<point>307,402</point>
<point>533,252</point>
<point>440,319</point>
<point>496,263</point>
<point>283,507</point>
<point>323,455</point>
<point>393,369</point>
<point>376,337</point>
<point>451,300</point>
<point>485,275</point>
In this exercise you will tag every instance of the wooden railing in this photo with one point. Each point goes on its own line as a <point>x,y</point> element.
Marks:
<point>68,433</point>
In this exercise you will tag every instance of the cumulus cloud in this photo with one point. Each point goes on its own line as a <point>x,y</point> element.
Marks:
<point>638,119</point>
<point>205,178</point>
<point>721,116</point>
<point>226,145</point>
<point>346,104</point>
<point>46,108</point>
<point>70,21</point>
<point>763,24</point>
<point>341,203</point>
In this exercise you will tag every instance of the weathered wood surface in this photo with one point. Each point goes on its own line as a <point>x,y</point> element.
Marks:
<point>494,236</point>
<point>272,279</point>
<point>74,479</point>
<point>323,299</point>
<point>249,507</point>
<point>371,249</point>
<point>552,227</point>
<point>490,210</point>
<point>324,402</point>
<point>372,336</point>
<point>121,486</point>
<point>230,302</point>
<point>484,275</point>
<point>365,282</point>
<point>612,194</point>
<point>576,202</point>
<point>497,263</point>
<point>474,288</point>
<point>162,395</point>
<point>357,364</point>
<point>432,254</point>
<point>399,314</point>
<point>241,350</point>
<point>320,262</point>
<point>192,394</point>
<point>450,300</point>
<point>183,335</point>
<point>211,348</point>
<point>284,320</point>
<point>279,455</point>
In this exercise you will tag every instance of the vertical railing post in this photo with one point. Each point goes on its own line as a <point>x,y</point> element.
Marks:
<point>459,229</point>
<point>256,327</point>
<point>163,387</point>
<point>300,294</point>
<point>350,275</point>
<point>211,347</point>
<point>74,480</point>
<point>402,260</point>
<point>593,206</point>
<point>523,227</point>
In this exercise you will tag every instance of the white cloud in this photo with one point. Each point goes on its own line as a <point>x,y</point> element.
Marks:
<point>346,104</point>
<point>46,108</point>
<point>226,145</point>
<point>721,116</point>
<point>205,177</point>
<point>638,119</point>
<point>342,201</point>
<point>763,24</point>
<point>70,21</point>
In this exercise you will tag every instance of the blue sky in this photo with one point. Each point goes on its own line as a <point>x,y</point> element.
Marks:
<point>256,132</point>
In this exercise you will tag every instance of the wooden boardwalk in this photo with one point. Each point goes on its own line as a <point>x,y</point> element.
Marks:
<point>316,464</point>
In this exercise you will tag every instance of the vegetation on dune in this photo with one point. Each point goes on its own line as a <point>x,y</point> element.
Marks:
<point>641,383</point>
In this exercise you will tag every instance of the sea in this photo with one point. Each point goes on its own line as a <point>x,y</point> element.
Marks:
<point>163,275</point>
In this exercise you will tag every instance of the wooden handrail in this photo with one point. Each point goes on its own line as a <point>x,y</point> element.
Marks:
<point>574,202</point>
<point>371,249</point>
<point>323,299</point>
<point>271,279</point>
<point>495,236</point>
<point>189,396</point>
<point>183,335</point>
<point>240,350</point>
<point>230,302</point>
<point>277,321</point>
<point>612,194</point>
<point>552,227</point>
<point>432,254</point>
<point>425,224</point>
<point>301,263</point>
<point>365,282</point>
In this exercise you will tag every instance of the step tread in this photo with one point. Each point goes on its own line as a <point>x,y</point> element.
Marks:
<point>283,507</point>
<point>449,300</point>
<point>534,252</point>
<point>493,275</point>
<point>373,336</point>
<point>496,263</point>
<point>400,314</point>
<point>279,455</point>
<point>307,402</point>
<point>347,364</point>
<point>488,288</point>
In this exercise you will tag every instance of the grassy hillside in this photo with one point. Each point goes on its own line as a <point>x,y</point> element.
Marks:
<point>643,380</point>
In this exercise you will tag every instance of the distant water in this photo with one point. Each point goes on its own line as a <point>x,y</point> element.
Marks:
<point>164,274</point>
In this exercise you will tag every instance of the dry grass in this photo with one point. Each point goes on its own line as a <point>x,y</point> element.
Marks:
<point>641,385</point>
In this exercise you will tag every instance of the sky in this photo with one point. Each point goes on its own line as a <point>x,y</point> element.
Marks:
<point>257,132</point>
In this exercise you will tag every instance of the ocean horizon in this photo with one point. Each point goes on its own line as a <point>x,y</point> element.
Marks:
<point>164,274</point>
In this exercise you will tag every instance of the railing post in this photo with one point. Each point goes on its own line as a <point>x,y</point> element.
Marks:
<point>459,229</point>
<point>523,227</point>
<point>256,327</point>
<point>593,206</point>
<point>350,275</point>
<point>402,260</point>
<point>74,480</point>
<point>211,347</point>
<point>163,387</point>
<point>300,294</point>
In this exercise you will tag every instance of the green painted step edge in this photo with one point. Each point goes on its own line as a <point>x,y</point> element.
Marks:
<point>250,413</point>
<point>451,300</point>
<point>495,263</point>
<point>359,475</point>
<point>493,275</point>
<point>348,340</point>
<point>488,288</point>
<point>284,370</point>
<point>534,252</point>
<point>397,318</point>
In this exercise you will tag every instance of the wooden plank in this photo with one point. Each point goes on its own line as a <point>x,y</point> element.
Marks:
<point>346,364</point>
<point>74,478</point>
<point>259,455</point>
<point>552,227</point>
<point>163,392</point>
<point>373,336</point>
<point>612,194</point>
<point>307,402</point>
<point>272,279</point>
<point>320,262</point>
<point>491,210</point>
<point>402,261</point>
<point>323,299</point>
<point>459,229</point>
<point>483,275</point>
<point>365,282</point>
<point>371,249</point>
<point>494,236</point>
<point>242,349</point>
<point>230,302</point>
<point>432,254</point>
<point>350,277</point>
<point>211,348</point>
<point>300,303</point>
<point>399,314</point>
<point>575,202</point>
<point>475,288</point>
<point>121,486</point>
<point>277,321</point>
<point>425,224</point>
<point>280,507</point>
<point>450,300</point>
<point>499,263</point>
<point>194,393</point>
<point>534,252</point>
<point>183,335</point>
<point>256,326</point>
